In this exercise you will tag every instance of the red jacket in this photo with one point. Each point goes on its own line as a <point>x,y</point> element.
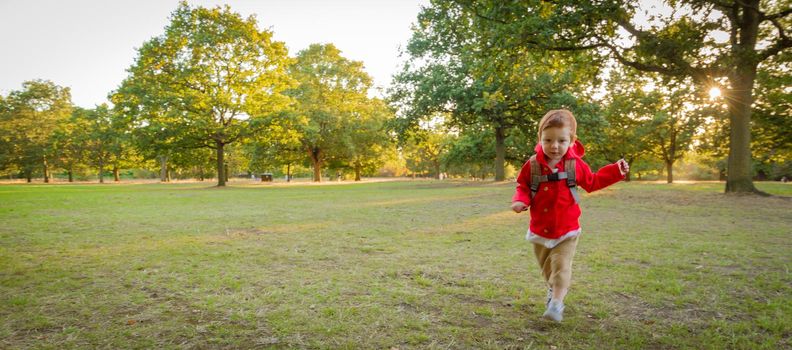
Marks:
<point>553,209</point>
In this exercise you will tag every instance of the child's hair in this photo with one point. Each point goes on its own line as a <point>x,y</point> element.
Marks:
<point>558,118</point>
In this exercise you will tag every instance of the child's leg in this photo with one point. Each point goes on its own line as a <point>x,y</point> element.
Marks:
<point>556,264</point>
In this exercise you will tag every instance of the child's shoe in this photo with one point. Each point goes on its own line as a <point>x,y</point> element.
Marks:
<point>555,311</point>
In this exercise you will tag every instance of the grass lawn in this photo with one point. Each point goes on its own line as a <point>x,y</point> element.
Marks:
<point>386,265</point>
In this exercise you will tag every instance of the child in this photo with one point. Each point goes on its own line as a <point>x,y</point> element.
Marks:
<point>550,191</point>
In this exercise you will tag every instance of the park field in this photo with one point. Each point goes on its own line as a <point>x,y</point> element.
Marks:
<point>407,265</point>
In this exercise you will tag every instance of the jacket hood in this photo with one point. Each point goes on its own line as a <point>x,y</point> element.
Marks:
<point>575,151</point>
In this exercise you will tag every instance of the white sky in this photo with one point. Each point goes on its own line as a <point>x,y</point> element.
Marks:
<point>87,45</point>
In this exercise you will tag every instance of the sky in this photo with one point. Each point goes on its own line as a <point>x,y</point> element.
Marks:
<point>87,45</point>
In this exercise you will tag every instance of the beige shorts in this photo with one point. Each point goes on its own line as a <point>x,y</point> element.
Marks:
<point>556,263</point>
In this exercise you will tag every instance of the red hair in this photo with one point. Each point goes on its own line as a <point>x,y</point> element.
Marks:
<point>558,118</point>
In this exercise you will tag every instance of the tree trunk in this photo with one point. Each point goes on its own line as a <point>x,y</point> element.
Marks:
<point>46,171</point>
<point>436,166</point>
<point>627,177</point>
<point>317,176</point>
<point>163,168</point>
<point>500,153</point>
<point>288,172</point>
<point>316,161</point>
<point>200,173</point>
<point>225,171</point>
<point>738,171</point>
<point>739,99</point>
<point>71,176</point>
<point>357,172</point>
<point>670,172</point>
<point>221,179</point>
<point>116,175</point>
<point>101,171</point>
<point>29,176</point>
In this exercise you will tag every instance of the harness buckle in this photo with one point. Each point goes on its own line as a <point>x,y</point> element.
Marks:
<point>552,177</point>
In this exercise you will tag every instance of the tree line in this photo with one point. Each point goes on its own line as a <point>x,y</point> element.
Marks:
<point>636,77</point>
<point>214,92</point>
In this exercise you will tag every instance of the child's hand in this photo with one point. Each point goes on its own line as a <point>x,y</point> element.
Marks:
<point>623,166</point>
<point>519,207</point>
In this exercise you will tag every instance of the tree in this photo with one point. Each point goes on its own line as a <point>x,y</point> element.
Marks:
<point>208,79</point>
<point>100,139</point>
<point>29,121</point>
<point>367,143</point>
<point>423,148</point>
<point>122,152</point>
<point>71,142</point>
<point>673,126</point>
<point>191,162</point>
<point>470,153</point>
<point>331,90</point>
<point>715,43</point>
<point>771,129</point>
<point>649,116</point>
<point>155,135</point>
<point>280,147</point>
<point>623,111</point>
<point>6,155</point>
<point>456,68</point>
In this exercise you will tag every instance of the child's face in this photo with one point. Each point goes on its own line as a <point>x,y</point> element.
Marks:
<point>556,141</point>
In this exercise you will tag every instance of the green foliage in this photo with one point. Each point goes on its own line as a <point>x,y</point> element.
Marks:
<point>29,123</point>
<point>70,143</point>
<point>330,100</point>
<point>424,148</point>
<point>771,130</point>
<point>207,81</point>
<point>279,147</point>
<point>649,118</point>
<point>368,144</point>
<point>471,154</point>
<point>457,66</point>
<point>684,43</point>
<point>100,139</point>
<point>213,88</point>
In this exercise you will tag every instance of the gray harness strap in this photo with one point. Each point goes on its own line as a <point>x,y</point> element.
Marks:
<point>568,175</point>
<point>569,166</point>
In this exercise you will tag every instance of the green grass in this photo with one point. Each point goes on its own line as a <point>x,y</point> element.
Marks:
<point>382,265</point>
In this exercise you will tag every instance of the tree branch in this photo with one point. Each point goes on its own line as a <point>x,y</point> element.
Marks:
<point>681,67</point>
<point>638,65</point>
<point>783,43</point>
<point>563,48</point>
<point>528,41</point>
<point>723,4</point>
<point>779,15</point>
<point>629,27</point>
<point>780,29</point>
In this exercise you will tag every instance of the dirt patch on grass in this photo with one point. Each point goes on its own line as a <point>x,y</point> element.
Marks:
<point>634,308</point>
